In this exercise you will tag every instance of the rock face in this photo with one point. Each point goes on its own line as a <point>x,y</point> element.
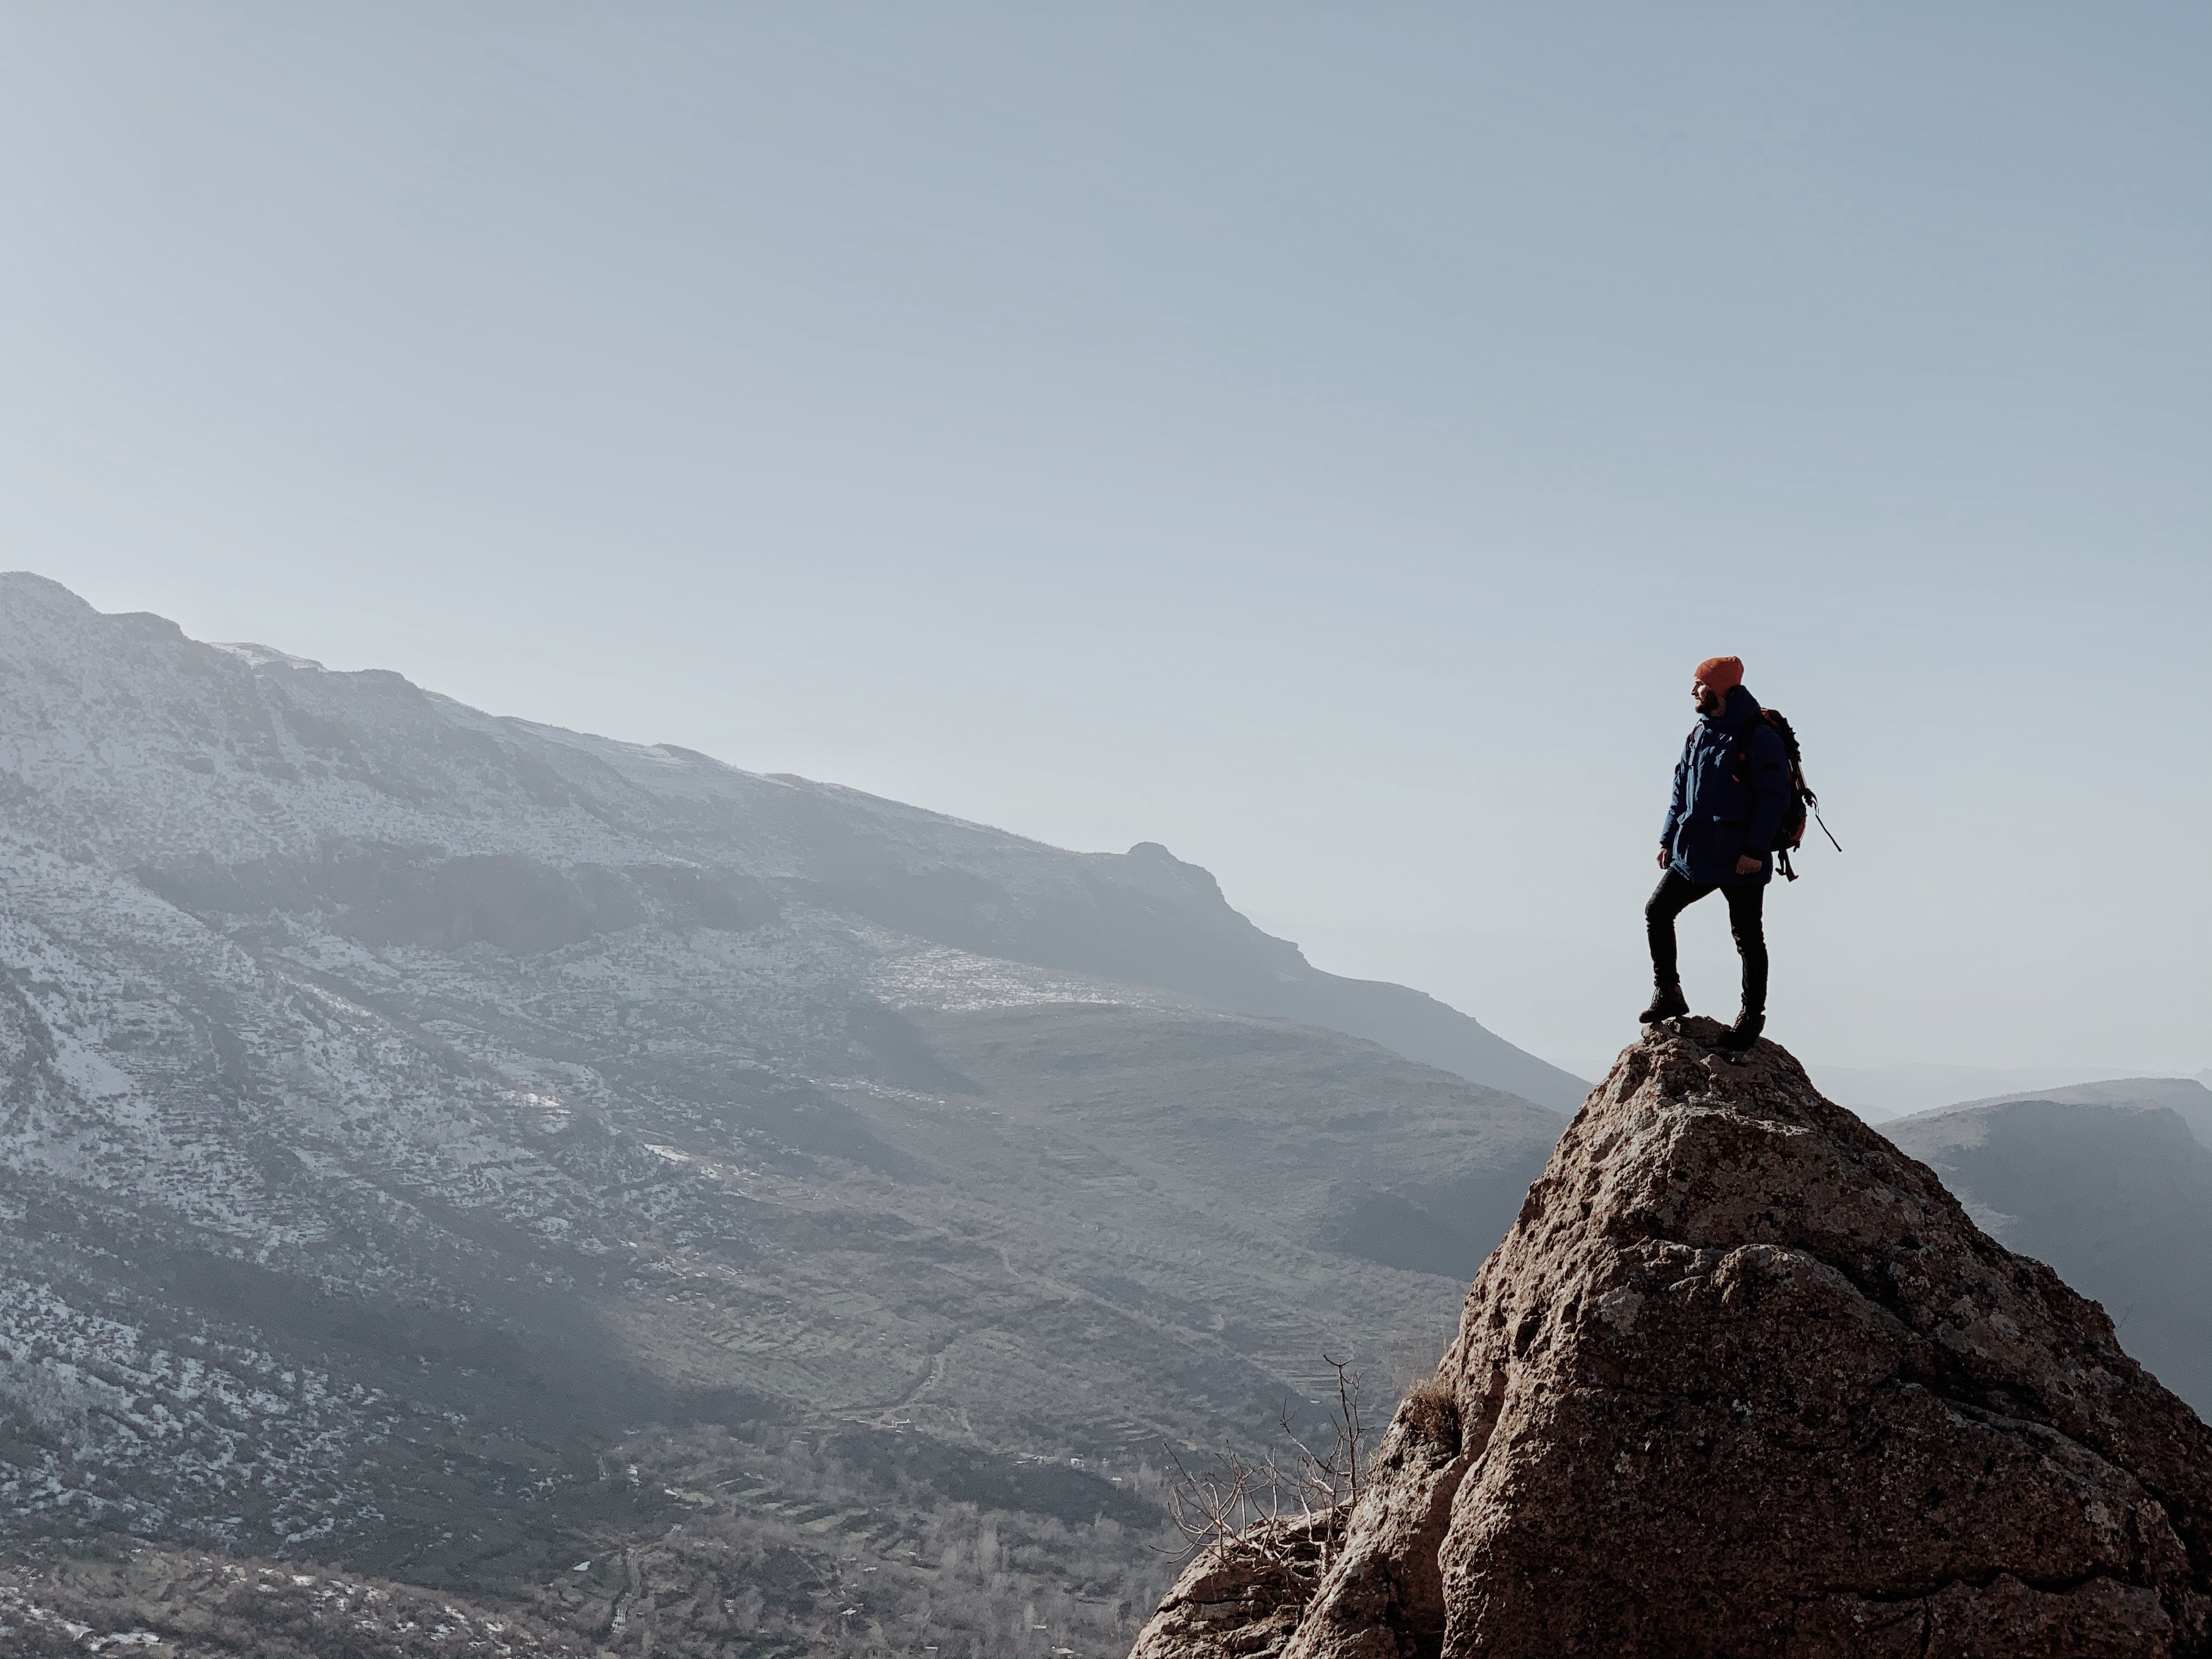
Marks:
<point>1745,1381</point>
<point>2116,1196</point>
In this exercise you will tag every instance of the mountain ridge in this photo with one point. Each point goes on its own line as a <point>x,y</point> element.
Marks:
<point>2186,1098</point>
<point>1144,916</point>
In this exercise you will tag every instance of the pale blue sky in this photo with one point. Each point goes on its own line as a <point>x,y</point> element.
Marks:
<point>1319,438</point>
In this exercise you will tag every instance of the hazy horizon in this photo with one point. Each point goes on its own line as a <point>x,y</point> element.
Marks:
<point>1320,445</point>
<point>1466,972</point>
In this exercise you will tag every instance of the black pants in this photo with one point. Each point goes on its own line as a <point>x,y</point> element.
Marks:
<point>1674,894</point>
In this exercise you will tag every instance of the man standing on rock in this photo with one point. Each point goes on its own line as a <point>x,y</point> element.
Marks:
<point>1731,789</point>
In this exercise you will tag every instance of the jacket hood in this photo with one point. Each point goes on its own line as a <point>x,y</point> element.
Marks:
<point>1739,707</point>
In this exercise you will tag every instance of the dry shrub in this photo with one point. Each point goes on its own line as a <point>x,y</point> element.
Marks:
<point>1282,1516</point>
<point>1431,1410</point>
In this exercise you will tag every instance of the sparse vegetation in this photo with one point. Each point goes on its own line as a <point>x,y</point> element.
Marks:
<point>1431,1410</point>
<point>766,1545</point>
<point>1282,1512</point>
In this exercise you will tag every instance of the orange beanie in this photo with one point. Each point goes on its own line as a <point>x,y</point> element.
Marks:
<point>1724,674</point>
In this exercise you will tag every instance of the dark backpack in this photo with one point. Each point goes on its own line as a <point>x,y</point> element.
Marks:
<point>1790,834</point>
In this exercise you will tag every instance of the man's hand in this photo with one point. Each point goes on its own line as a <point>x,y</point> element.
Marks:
<point>1748,865</point>
<point>1662,858</point>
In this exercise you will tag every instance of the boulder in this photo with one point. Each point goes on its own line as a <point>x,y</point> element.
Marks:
<point>1745,1380</point>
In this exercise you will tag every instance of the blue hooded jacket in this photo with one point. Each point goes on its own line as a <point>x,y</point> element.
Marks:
<point>1726,804</point>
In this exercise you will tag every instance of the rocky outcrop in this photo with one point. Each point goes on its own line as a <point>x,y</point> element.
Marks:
<point>2117,1197</point>
<point>1743,1380</point>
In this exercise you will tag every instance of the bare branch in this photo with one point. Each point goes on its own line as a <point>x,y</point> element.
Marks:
<point>1282,1515</point>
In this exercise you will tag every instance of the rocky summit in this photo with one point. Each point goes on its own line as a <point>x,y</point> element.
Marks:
<point>1744,1380</point>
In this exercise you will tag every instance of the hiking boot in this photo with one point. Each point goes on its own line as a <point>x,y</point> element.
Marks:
<point>1740,1035</point>
<point>1667,1003</point>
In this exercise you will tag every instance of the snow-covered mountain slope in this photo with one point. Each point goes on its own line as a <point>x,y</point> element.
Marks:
<point>240,778</point>
<point>412,1124</point>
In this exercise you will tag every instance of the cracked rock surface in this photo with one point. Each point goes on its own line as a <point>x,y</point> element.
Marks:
<point>1744,1380</point>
